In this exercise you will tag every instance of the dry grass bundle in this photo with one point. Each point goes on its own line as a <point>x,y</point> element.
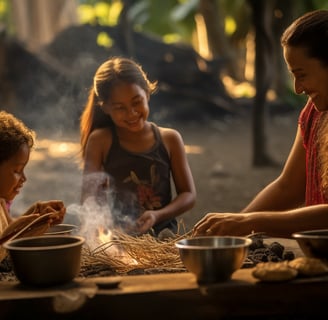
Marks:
<point>125,253</point>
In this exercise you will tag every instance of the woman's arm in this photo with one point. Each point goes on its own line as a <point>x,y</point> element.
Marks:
<point>288,190</point>
<point>275,224</point>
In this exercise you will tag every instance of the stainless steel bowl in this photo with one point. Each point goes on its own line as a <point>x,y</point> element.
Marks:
<point>45,260</point>
<point>313,243</point>
<point>61,229</point>
<point>213,259</point>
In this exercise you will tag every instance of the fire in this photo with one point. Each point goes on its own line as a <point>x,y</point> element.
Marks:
<point>105,236</point>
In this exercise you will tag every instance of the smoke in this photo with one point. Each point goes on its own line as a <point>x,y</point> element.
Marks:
<point>98,214</point>
<point>91,217</point>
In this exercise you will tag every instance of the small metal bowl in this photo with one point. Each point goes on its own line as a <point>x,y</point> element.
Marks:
<point>313,243</point>
<point>45,260</point>
<point>61,229</point>
<point>213,259</point>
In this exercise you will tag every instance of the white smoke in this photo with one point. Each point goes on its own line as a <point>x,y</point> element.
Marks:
<point>97,213</point>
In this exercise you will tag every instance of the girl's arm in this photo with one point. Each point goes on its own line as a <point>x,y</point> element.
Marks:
<point>183,180</point>
<point>96,150</point>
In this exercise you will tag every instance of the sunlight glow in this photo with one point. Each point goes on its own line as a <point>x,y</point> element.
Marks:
<point>238,89</point>
<point>63,149</point>
<point>250,56</point>
<point>171,38</point>
<point>54,149</point>
<point>230,25</point>
<point>85,13</point>
<point>194,149</point>
<point>104,40</point>
<point>202,41</point>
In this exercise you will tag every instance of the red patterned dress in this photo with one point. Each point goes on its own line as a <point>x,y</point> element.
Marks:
<point>310,120</point>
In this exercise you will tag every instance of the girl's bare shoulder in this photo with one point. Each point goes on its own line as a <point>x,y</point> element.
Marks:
<point>101,134</point>
<point>100,139</point>
<point>169,133</point>
<point>171,138</point>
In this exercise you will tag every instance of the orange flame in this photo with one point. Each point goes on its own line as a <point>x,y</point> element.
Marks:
<point>105,236</point>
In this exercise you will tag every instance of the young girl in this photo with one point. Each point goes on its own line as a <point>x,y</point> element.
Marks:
<point>16,142</point>
<point>138,156</point>
<point>298,199</point>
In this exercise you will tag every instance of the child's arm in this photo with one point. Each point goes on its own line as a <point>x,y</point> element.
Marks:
<point>183,180</point>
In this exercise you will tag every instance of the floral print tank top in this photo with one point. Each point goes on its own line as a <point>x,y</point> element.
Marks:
<point>139,181</point>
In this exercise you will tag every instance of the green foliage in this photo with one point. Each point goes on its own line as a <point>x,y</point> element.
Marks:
<point>101,12</point>
<point>3,8</point>
<point>5,15</point>
<point>322,4</point>
<point>104,40</point>
<point>173,20</point>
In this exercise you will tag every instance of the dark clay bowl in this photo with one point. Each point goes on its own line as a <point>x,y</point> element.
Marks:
<point>313,243</point>
<point>46,260</point>
<point>61,229</point>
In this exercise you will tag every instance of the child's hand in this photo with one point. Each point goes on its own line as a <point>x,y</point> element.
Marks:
<point>146,221</point>
<point>43,207</point>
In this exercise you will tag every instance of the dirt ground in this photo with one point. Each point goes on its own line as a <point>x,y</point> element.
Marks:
<point>220,156</point>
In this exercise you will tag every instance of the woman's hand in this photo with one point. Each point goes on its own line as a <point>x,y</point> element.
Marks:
<point>223,224</point>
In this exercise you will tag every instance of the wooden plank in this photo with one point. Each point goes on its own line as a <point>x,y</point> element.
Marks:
<point>168,296</point>
<point>143,296</point>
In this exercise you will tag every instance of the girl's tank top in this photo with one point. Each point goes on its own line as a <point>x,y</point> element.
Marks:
<point>139,181</point>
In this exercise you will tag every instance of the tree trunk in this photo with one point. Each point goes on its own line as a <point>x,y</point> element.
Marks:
<point>280,22</point>
<point>217,40</point>
<point>264,73</point>
<point>125,26</point>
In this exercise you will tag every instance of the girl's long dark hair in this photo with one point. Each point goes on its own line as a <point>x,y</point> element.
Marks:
<point>112,72</point>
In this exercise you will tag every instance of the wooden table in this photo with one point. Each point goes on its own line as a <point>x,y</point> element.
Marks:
<point>168,296</point>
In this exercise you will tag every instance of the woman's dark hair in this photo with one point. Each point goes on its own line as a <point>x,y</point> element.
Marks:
<point>13,134</point>
<point>112,72</point>
<point>310,32</point>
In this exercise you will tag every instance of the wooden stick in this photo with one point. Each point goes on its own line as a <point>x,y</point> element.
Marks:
<point>34,223</point>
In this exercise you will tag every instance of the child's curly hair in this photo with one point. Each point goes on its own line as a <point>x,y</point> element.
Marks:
<point>13,134</point>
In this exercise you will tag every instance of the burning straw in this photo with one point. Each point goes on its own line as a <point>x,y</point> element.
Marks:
<point>124,253</point>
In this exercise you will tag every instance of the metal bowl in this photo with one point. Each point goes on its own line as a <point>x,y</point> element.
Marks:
<point>213,259</point>
<point>61,229</point>
<point>45,260</point>
<point>313,243</point>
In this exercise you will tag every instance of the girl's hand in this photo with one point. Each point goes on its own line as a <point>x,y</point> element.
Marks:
<point>146,221</point>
